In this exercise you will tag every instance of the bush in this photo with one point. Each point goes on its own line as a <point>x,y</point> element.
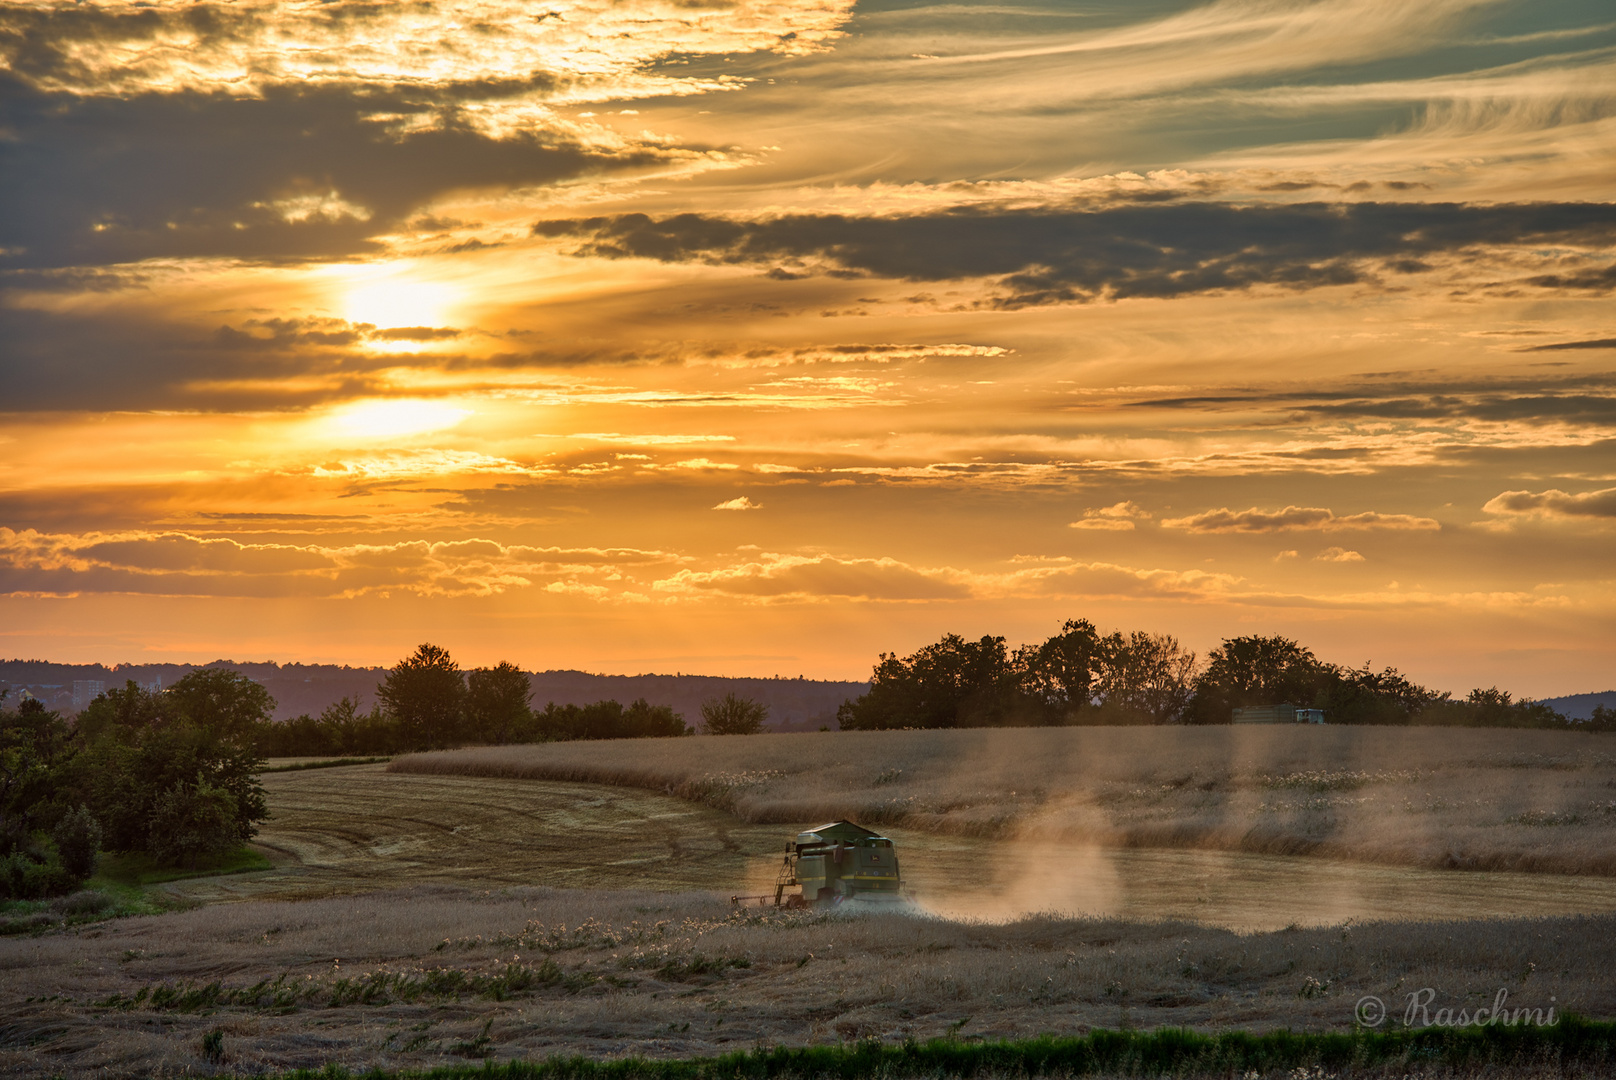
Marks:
<point>731,715</point>
<point>193,821</point>
<point>78,842</point>
<point>31,874</point>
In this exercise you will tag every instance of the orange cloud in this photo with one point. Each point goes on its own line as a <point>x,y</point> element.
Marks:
<point>1296,519</point>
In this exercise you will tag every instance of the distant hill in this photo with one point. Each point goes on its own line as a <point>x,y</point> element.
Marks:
<point>794,704</point>
<point>1581,706</point>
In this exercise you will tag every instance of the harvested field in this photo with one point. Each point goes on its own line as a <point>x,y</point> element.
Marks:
<point>1519,800</point>
<point>360,828</point>
<point>433,974</point>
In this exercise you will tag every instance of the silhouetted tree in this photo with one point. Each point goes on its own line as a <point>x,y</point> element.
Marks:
<point>426,696</point>
<point>732,715</point>
<point>1142,678</point>
<point>1254,671</point>
<point>498,708</point>
<point>1060,672</point>
<point>609,720</point>
<point>954,683</point>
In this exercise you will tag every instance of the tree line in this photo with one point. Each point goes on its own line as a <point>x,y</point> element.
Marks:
<point>1080,676</point>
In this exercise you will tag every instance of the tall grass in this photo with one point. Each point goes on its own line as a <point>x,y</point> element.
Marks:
<point>1475,799</point>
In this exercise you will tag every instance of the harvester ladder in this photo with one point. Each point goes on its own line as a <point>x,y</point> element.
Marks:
<point>787,875</point>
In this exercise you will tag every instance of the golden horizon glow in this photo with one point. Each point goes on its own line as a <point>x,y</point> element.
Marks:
<point>763,337</point>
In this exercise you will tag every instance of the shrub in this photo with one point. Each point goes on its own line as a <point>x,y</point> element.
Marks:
<point>78,841</point>
<point>193,821</point>
<point>31,874</point>
<point>731,715</point>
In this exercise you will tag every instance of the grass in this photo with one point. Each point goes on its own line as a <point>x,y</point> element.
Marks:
<point>416,978</point>
<point>119,889</point>
<point>1572,1045</point>
<point>1439,798</point>
<point>296,765</point>
<point>136,868</point>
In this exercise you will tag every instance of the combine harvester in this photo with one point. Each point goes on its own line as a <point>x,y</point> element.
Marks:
<point>839,863</point>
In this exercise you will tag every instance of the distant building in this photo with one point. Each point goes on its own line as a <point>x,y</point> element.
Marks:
<point>1277,714</point>
<point>86,691</point>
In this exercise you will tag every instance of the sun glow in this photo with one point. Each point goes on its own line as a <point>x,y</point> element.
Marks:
<point>394,300</point>
<point>384,419</point>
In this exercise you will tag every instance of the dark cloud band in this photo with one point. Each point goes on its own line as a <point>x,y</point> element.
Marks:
<point>1040,256</point>
<point>299,172</point>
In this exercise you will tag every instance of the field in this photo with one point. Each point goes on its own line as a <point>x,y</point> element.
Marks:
<point>498,904</point>
<point>351,829</point>
<point>1442,798</point>
<point>434,974</point>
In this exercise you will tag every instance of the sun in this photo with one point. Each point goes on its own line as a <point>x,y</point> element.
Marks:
<point>387,297</point>
<point>394,418</point>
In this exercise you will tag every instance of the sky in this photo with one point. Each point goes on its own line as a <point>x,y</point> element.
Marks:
<point>756,337</point>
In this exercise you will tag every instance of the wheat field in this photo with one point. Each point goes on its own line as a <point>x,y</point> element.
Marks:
<point>1479,799</point>
<point>434,974</point>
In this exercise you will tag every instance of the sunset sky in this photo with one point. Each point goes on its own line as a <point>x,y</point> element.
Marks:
<point>756,337</point>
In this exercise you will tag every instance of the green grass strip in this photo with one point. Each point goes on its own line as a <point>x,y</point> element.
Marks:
<point>333,763</point>
<point>1573,1042</point>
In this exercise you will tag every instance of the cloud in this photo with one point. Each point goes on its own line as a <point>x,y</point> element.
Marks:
<point>778,577</point>
<point>1337,554</point>
<point>181,564</point>
<point>1118,517</point>
<point>1042,255</point>
<point>499,53</point>
<point>1592,343</point>
<point>742,503</point>
<point>297,172</point>
<point>1295,519</point>
<point>1554,503</point>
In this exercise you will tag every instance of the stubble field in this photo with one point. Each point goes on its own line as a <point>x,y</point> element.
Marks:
<point>430,915</point>
<point>434,975</point>
<point>1443,798</point>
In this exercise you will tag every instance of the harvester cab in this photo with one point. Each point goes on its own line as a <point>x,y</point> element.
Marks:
<point>835,863</point>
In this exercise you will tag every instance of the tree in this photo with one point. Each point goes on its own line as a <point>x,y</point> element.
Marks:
<point>425,695</point>
<point>1143,677</point>
<point>221,702</point>
<point>731,715</point>
<point>498,703</point>
<point>1254,671</point>
<point>1365,696</point>
<point>954,683</point>
<point>609,720</point>
<point>194,820</point>
<point>34,747</point>
<point>78,842</point>
<point>130,709</point>
<point>1060,672</point>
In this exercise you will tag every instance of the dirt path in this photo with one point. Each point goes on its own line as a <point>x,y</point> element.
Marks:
<point>360,828</point>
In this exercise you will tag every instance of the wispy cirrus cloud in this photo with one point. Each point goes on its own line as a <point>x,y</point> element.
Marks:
<point>1296,519</point>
